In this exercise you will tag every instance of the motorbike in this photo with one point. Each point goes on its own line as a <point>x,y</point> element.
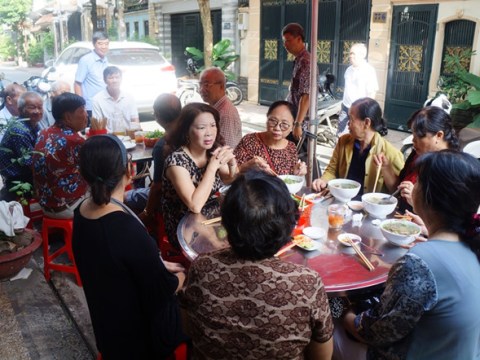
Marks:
<point>39,84</point>
<point>189,89</point>
<point>328,110</point>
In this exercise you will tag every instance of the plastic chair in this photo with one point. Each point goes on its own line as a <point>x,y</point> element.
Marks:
<point>66,225</point>
<point>33,211</point>
<point>180,353</point>
<point>473,149</point>
<point>168,251</point>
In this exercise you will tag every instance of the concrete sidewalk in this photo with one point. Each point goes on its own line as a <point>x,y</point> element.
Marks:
<point>40,320</point>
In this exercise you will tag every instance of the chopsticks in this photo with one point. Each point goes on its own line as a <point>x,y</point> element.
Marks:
<point>212,221</point>
<point>301,206</point>
<point>379,169</point>
<point>285,249</point>
<point>402,216</point>
<point>360,254</point>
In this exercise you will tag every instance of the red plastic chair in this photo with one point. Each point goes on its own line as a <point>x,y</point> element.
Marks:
<point>66,226</point>
<point>33,211</point>
<point>180,353</point>
<point>168,251</point>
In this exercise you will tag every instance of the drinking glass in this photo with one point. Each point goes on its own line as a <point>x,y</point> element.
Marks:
<point>336,216</point>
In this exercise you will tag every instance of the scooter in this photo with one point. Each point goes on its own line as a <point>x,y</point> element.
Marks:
<point>189,89</point>
<point>328,110</point>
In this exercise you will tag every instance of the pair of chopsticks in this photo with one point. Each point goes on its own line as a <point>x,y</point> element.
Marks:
<point>379,169</point>
<point>212,221</point>
<point>360,254</point>
<point>285,249</point>
<point>402,216</point>
<point>301,206</point>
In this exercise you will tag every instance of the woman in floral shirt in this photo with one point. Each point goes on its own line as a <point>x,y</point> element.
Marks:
<point>244,303</point>
<point>429,309</point>
<point>270,150</point>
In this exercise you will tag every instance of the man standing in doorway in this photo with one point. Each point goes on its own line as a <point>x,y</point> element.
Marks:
<point>212,90</point>
<point>89,76</point>
<point>360,82</point>
<point>294,42</point>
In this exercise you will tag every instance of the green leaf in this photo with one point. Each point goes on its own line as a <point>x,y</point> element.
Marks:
<point>475,123</point>
<point>470,78</point>
<point>465,105</point>
<point>197,54</point>
<point>473,97</point>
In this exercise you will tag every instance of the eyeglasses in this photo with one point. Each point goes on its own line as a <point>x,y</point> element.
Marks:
<point>207,84</point>
<point>272,123</point>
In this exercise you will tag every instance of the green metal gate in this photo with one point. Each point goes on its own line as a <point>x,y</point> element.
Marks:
<point>341,23</point>
<point>410,63</point>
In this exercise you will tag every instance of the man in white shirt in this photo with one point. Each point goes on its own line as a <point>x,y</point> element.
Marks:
<point>10,107</point>
<point>360,81</point>
<point>117,106</point>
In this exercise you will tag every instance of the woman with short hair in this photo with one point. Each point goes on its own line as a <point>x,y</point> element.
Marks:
<point>130,291</point>
<point>244,303</point>
<point>353,155</point>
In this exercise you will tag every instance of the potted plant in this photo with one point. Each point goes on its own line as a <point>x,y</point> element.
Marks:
<point>463,90</point>
<point>151,137</point>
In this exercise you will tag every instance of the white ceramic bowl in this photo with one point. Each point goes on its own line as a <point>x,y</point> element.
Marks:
<point>374,208</point>
<point>294,183</point>
<point>399,232</point>
<point>343,189</point>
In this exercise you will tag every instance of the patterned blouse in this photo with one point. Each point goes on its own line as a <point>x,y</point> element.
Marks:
<point>282,161</point>
<point>172,207</point>
<point>429,308</point>
<point>241,309</point>
<point>56,167</point>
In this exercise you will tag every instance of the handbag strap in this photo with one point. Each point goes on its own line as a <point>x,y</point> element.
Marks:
<point>269,160</point>
<point>127,210</point>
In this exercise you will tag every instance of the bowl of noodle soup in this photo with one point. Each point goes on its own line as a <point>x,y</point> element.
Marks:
<point>399,232</point>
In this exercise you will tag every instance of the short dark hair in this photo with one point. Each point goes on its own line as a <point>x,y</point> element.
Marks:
<point>179,134</point>
<point>66,102</point>
<point>280,103</point>
<point>99,35</point>
<point>111,70</point>
<point>259,215</point>
<point>432,119</point>
<point>449,181</point>
<point>294,29</point>
<point>166,108</point>
<point>369,108</point>
<point>102,165</point>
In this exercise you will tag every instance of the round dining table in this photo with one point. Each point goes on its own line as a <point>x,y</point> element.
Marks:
<point>341,269</point>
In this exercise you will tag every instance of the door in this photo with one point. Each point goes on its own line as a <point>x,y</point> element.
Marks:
<point>187,31</point>
<point>410,62</point>
<point>341,23</point>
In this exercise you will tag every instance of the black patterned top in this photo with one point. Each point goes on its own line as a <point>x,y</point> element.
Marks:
<point>241,309</point>
<point>172,207</point>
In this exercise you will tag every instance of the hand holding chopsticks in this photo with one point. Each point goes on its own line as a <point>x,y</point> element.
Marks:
<point>360,254</point>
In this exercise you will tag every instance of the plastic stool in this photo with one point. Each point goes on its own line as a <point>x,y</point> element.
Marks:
<point>66,225</point>
<point>181,353</point>
<point>33,211</point>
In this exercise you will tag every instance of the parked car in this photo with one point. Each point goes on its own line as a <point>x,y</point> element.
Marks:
<point>146,73</point>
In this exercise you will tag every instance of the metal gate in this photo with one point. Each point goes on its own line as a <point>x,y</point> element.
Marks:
<point>410,62</point>
<point>341,23</point>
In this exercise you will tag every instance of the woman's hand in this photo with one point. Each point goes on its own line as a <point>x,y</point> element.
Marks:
<point>300,168</point>
<point>418,220</point>
<point>257,163</point>
<point>318,185</point>
<point>297,131</point>
<point>381,160</point>
<point>406,189</point>
<point>173,267</point>
<point>222,156</point>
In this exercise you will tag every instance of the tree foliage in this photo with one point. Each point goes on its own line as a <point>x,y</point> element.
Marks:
<point>14,12</point>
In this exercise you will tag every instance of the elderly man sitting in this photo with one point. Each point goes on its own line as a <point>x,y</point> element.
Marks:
<point>57,180</point>
<point>18,143</point>
<point>58,87</point>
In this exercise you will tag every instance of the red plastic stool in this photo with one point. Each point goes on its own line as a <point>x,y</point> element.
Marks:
<point>66,225</point>
<point>33,211</point>
<point>179,354</point>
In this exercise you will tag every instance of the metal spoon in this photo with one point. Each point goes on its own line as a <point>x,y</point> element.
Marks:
<point>387,200</point>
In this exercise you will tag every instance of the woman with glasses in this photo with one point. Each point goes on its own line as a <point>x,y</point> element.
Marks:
<point>196,167</point>
<point>353,155</point>
<point>270,150</point>
<point>130,290</point>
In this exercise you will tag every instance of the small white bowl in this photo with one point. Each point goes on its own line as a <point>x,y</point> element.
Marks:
<point>341,193</point>
<point>355,238</point>
<point>314,232</point>
<point>400,239</point>
<point>296,182</point>
<point>374,208</point>
<point>355,205</point>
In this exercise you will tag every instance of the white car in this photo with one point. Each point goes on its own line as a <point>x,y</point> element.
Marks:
<point>145,72</point>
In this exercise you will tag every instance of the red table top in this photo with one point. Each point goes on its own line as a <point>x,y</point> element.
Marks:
<point>340,268</point>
